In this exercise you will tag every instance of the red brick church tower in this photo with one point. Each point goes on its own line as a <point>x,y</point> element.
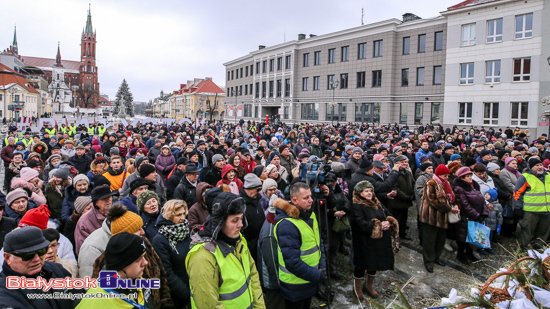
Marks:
<point>88,92</point>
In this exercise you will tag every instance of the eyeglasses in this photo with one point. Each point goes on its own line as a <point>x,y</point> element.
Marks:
<point>259,189</point>
<point>25,257</point>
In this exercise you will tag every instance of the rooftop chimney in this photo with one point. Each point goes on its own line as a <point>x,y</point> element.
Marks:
<point>301,36</point>
<point>261,46</point>
<point>410,17</point>
<point>312,35</point>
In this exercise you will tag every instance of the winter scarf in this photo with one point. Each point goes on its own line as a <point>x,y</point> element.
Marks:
<point>513,171</point>
<point>204,158</point>
<point>175,233</point>
<point>113,173</point>
<point>447,187</point>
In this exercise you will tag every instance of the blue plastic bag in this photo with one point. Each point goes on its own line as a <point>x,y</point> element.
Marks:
<point>479,235</point>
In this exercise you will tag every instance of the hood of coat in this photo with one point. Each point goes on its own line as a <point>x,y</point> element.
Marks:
<point>201,188</point>
<point>39,143</point>
<point>226,168</point>
<point>285,209</point>
<point>72,194</point>
<point>95,141</point>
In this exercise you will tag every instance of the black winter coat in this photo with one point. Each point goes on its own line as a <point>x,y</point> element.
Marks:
<point>6,225</point>
<point>370,252</point>
<point>255,218</point>
<point>149,224</point>
<point>213,176</point>
<point>82,164</point>
<point>472,206</point>
<point>174,264</point>
<point>173,182</point>
<point>186,191</point>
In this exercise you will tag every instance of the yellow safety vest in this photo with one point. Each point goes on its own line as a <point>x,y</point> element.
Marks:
<point>26,142</point>
<point>91,131</point>
<point>51,131</point>
<point>101,130</point>
<point>538,198</point>
<point>72,130</point>
<point>63,130</point>
<point>310,250</point>
<point>235,290</point>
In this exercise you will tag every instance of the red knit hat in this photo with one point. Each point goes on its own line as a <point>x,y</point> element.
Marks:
<point>442,170</point>
<point>36,217</point>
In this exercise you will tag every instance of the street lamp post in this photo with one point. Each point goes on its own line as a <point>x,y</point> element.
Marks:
<point>13,90</point>
<point>236,92</point>
<point>333,84</point>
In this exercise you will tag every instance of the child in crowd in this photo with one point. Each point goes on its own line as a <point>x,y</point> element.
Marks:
<point>494,220</point>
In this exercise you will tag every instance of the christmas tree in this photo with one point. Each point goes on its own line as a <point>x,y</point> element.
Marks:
<point>123,102</point>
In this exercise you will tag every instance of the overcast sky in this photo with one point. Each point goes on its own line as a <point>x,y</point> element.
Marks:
<point>157,45</point>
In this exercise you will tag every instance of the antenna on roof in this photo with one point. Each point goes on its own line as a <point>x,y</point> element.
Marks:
<point>284,36</point>
<point>362,15</point>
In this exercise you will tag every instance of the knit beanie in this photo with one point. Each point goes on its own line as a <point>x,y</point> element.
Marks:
<point>491,167</point>
<point>114,151</point>
<point>81,202</point>
<point>533,162</point>
<point>62,172</point>
<point>36,217</point>
<point>424,166</point>
<point>365,165</point>
<point>456,156</point>
<point>28,173</point>
<point>509,159</point>
<point>216,158</point>
<point>357,149</point>
<point>122,250</point>
<point>268,183</point>
<point>362,185</point>
<point>270,167</point>
<point>123,220</point>
<point>337,167</point>
<point>80,177</point>
<point>14,195</point>
<point>470,161</point>
<point>146,169</point>
<point>145,196</point>
<point>377,157</point>
<point>442,170</point>
<point>493,193</point>
<point>139,159</point>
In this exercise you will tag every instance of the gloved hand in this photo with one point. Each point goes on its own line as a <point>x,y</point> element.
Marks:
<point>323,276</point>
<point>518,213</point>
<point>499,227</point>
<point>272,199</point>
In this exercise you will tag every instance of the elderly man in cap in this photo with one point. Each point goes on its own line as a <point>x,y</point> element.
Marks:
<point>80,160</point>
<point>531,196</point>
<point>254,212</point>
<point>187,188</point>
<point>214,174</point>
<point>102,199</point>
<point>24,256</point>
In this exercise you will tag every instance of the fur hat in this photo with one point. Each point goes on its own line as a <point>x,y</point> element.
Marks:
<point>362,185</point>
<point>225,204</point>
<point>454,166</point>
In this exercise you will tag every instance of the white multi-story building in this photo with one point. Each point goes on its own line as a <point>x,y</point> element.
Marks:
<point>497,72</point>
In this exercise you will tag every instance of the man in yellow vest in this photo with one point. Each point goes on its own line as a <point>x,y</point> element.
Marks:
<point>91,130</point>
<point>301,258</point>
<point>72,130</point>
<point>101,130</point>
<point>532,205</point>
<point>63,129</point>
<point>222,272</point>
<point>51,130</point>
<point>27,139</point>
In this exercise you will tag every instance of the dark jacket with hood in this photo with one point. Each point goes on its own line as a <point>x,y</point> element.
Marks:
<point>255,216</point>
<point>82,164</point>
<point>472,206</point>
<point>290,240</point>
<point>213,175</point>
<point>198,212</point>
<point>173,182</point>
<point>186,191</point>
<point>71,194</point>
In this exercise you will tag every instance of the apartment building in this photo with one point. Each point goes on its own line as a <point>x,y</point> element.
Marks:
<point>389,71</point>
<point>497,70</point>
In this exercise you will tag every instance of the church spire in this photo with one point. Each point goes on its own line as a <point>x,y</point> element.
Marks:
<point>89,29</point>
<point>58,58</point>
<point>14,44</point>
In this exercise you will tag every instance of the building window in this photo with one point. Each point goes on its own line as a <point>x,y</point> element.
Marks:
<point>271,89</point>
<point>316,82</point>
<point>422,43</point>
<point>271,65</point>
<point>264,66</point>
<point>279,86</point>
<point>436,113</point>
<point>465,112</point>
<point>306,60</point>
<point>305,81</point>
<point>251,69</point>
<point>524,26</point>
<point>490,113</point>
<point>403,110</point>
<point>345,53</point>
<point>237,74</point>
<point>317,58</point>
<point>519,113</point>
<point>406,45</point>
<point>438,45</point>
<point>438,75</point>
<point>241,72</point>
<point>367,112</point>
<point>256,111</point>
<point>377,78</point>
<point>378,47</point>
<point>247,110</point>
<point>420,76</point>
<point>468,34</point>
<point>404,77</point>
<point>264,90</point>
<point>257,90</point>
<point>279,63</point>
<point>336,113</point>
<point>1,97</point>
<point>331,55</point>
<point>494,30</point>
<point>522,69</point>
<point>344,81</point>
<point>310,111</point>
<point>228,75</point>
<point>285,112</point>
<point>246,71</point>
<point>232,74</point>
<point>330,81</point>
<point>257,68</point>
<point>245,89</point>
<point>418,112</point>
<point>466,73</point>
<point>361,50</point>
<point>361,79</point>
<point>287,62</point>
<point>287,87</point>
<point>241,90</point>
<point>492,71</point>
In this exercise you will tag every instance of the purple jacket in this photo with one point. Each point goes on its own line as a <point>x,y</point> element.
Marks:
<point>164,165</point>
<point>472,206</point>
<point>89,222</point>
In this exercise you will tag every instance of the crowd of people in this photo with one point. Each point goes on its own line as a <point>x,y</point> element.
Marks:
<point>249,215</point>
